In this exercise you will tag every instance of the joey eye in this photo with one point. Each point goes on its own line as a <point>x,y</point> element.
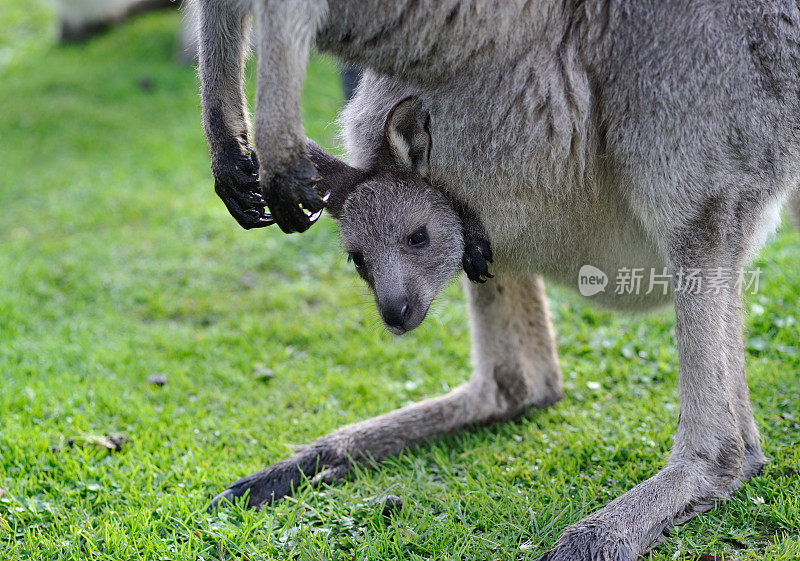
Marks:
<point>356,258</point>
<point>418,238</point>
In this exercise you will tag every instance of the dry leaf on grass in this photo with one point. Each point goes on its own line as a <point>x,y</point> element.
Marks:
<point>111,442</point>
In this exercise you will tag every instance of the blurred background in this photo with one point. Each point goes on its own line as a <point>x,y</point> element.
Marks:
<point>133,306</point>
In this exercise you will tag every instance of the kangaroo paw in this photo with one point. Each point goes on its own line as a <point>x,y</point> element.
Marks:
<point>319,464</point>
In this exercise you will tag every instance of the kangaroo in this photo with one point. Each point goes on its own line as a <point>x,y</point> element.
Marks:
<point>652,135</point>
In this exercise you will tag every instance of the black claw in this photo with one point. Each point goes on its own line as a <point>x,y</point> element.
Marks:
<point>310,199</point>
<point>256,218</point>
<point>252,195</point>
<point>292,191</point>
<point>475,262</point>
<point>236,183</point>
<point>477,249</point>
<point>486,250</point>
<point>288,194</point>
<point>285,209</point>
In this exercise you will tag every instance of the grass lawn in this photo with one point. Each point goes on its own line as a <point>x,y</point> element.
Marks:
<point>118,262</point>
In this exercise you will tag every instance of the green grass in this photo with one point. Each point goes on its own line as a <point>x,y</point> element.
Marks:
<point>117,262</point>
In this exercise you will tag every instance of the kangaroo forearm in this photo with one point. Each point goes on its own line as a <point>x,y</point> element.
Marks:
<point>223,35</point>
<point>285,38</point>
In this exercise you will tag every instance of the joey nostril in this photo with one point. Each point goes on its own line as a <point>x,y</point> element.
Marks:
<point>396,313</point>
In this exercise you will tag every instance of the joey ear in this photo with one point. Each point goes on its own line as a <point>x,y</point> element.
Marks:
<point>407,138</point>
<point>337,179</point>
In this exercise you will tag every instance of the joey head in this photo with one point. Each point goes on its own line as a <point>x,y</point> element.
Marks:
<point>405,241</point>
<point>406,238</point>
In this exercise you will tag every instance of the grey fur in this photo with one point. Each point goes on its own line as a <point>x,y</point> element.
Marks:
<point>620,133</point>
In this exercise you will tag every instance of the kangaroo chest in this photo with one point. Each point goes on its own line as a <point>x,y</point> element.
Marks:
<point>546,205</point>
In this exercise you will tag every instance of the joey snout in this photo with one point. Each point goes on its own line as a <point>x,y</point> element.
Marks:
<point>400,311</point>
